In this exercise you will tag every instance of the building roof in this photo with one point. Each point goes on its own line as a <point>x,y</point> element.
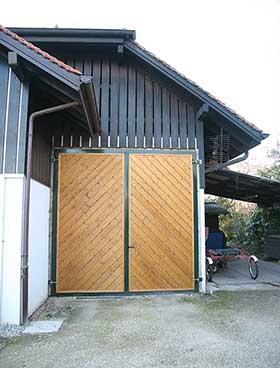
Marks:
<point>74,34</point>
<point>69,36</point>
<point>69,82</point>
<point>39,51</point>
<point>223,105</point>
<point>127,38</point>
<point>195,89</point>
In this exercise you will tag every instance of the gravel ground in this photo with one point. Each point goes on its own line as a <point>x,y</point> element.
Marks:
<point>52,309</point>
<point>8,331</point>
<point>227,329</point>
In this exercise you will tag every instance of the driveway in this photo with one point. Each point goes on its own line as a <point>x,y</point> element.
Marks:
<point>236,276</point>
<point>240,329</point>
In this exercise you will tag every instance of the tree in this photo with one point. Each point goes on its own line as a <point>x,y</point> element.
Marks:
<point>246,229</point>
<point>234,223</point>
<point>272,172</point>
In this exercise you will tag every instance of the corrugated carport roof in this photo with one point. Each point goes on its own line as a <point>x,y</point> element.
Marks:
<point>249,188</point>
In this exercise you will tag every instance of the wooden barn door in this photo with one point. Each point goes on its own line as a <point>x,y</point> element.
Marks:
<point>161,250</point>
<point>90,223</point>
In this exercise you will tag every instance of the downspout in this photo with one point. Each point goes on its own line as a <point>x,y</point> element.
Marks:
<point>25,247</point>
<point>89,104</point>
<point>228,163</point>
<point>201,114</point>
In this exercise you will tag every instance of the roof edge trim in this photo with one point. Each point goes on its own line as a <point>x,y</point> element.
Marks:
<point>74,32</point>
<point>197,91</point>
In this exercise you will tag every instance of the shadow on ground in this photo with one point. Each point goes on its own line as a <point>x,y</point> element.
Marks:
<point>236,276</point>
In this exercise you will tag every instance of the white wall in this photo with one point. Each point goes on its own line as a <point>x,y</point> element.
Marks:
<point>38,245</point>
<point>11,238</point>
<point>11,231</point>
<point>201,240</point>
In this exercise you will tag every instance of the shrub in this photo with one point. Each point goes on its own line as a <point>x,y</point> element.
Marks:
<point>244,228</point>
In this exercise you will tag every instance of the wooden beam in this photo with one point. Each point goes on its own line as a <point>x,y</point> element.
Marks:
<point>202,112</point>
<point>16,65</point>
<point>120,49</point>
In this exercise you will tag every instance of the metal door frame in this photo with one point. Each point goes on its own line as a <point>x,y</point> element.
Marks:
<point>126,152</point>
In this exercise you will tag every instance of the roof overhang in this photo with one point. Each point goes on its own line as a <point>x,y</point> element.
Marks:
<point>216,109</point>
<point>72,86</point>
<point>72,35</point>
<point>231,184</point>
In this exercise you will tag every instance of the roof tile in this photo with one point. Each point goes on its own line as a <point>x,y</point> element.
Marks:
<point>39,51</point>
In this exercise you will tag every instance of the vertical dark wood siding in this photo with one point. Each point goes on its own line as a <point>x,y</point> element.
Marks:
<point>104,113</point>
<point>122,105</point>
<point>13,120</point>
<point>131,114</point>
<point>140,103</point>
<point>4,77</point>
<point>200,146</point>
<point>157,115</point>
<point>41,152</point>
<point>136,110</point>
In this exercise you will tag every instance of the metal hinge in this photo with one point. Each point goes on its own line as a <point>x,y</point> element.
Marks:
<point>200,279</point>
<point>53,159</point>
<point>197,161</point>
<point>51,282</point>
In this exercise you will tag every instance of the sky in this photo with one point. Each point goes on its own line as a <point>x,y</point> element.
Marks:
<point>230,48</point>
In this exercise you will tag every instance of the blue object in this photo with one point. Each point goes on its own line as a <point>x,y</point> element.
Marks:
<point>216,240</point>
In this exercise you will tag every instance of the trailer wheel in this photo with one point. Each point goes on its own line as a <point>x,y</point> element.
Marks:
<point>214,268</point>
<point>209,271</point>
<point>253,267</point>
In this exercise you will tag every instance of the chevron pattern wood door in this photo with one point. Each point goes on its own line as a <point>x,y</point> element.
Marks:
<point>90,223</point>
<point>161,249</point>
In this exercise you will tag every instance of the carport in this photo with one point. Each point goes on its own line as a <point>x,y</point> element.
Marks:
<point>235,185</point>
<point>265,193</point>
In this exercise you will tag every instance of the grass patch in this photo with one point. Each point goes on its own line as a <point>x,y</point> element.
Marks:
<point>219,301</point>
